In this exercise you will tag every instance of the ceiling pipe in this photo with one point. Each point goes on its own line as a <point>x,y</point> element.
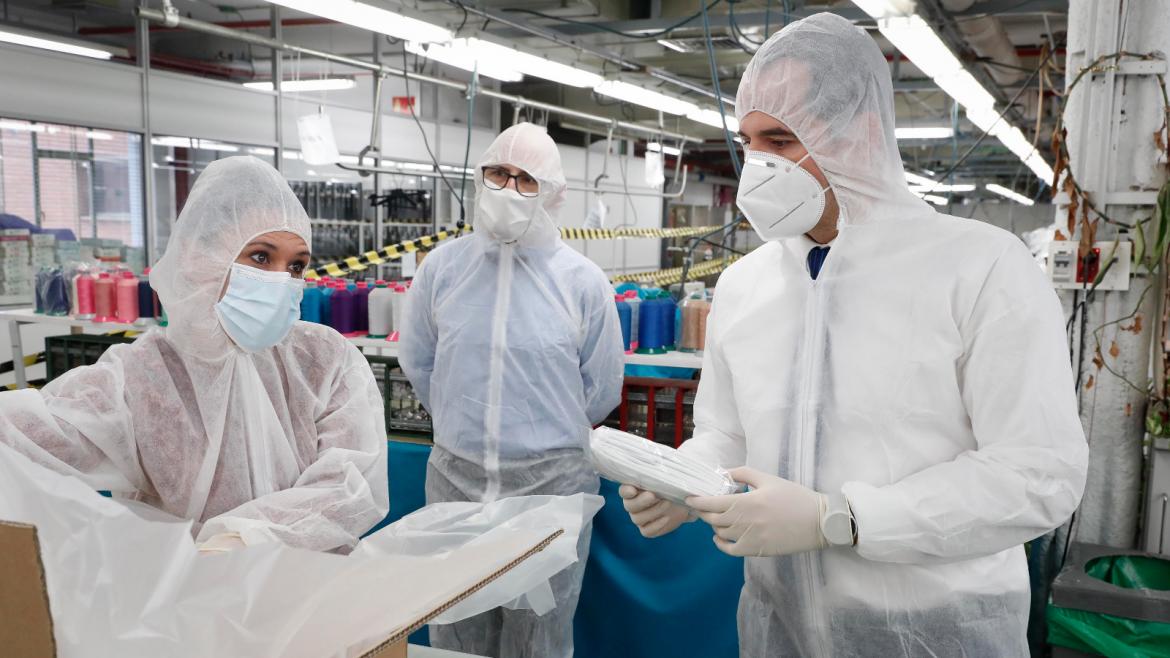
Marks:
<point>989,40</point>
<point>238,25</point>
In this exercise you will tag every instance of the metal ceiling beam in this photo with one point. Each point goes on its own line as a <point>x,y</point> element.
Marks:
<point>156,16</point>
<point>776,18</point>
<point>525,28</point>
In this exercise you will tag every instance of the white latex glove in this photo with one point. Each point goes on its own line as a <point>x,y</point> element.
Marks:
<point>653,516</point>
<point>222,543</point>
<point>776,517</point>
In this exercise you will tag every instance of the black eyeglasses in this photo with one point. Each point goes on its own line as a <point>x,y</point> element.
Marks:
<point>497,178</point>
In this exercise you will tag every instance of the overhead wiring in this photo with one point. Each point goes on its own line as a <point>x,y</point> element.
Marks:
<point>731,152</point>
<point>954,166</point>
<point>426,142</point>
<point>655,34</point>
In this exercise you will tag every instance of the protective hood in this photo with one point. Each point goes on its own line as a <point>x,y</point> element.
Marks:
<point>828,82</point>
<point>233,201</point>
<point>528,146</point>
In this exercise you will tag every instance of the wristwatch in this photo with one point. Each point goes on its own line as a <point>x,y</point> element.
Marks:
<point>837,523</point>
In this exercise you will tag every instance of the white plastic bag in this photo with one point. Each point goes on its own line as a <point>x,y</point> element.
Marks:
<point>655,176</point>
<point>318,147</point>
<point>630,459</point>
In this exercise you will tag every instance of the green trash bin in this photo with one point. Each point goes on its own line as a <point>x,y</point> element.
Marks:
<point>1111,602</point>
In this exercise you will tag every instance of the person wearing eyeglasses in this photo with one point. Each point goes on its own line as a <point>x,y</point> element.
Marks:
<point>511,340</point>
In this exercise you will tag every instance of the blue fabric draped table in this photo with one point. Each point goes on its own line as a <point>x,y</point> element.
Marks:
<point>673,596</point>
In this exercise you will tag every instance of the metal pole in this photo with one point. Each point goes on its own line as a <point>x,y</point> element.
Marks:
<point>379,230</point>
<point>193,25</point>
<point>278,84</point>
<point>151,216</point>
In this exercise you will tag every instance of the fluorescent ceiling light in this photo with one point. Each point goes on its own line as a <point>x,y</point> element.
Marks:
<point>918,41</point>
<point>262,150</point>
<point>371,18</point>
<point>528,64</point>
<point>931,198</point>
<point>416,166</point>
<point>678,48</point>
<point>22,126</point>
<point>712,118</point>
<point>914,132</point>
<point>1009,194</point>
<point>318,84</point>
<point>659,148</point>
<point>184,142</point>
<point>921,184</point>
<point>641,96</point>
<point>465,59</point>
<point>22,37</point>
<point>883,8</point>
<point>958,187</point>
<point>98,135</point>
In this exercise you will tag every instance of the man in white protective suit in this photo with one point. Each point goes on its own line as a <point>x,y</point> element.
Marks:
<point>891,383</point>
<point>511,340</point>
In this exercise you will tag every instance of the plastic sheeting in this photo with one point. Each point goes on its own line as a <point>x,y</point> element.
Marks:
<point>436,528</point>
<point>127,581</point>
<point>670,597</point>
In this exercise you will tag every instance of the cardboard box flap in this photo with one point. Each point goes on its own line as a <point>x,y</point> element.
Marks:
<point>485,556</point>
<point>26,624</point>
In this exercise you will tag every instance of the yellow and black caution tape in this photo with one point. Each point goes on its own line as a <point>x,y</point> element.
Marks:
<point>380,256</point>
<point>618,233</point>
<point>663,278</point>
<point>394,251</point>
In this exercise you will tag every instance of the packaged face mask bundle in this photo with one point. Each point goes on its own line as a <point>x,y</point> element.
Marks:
<point>672,475</point>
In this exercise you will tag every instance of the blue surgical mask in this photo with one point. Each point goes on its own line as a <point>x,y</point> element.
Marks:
<point>259,307</point>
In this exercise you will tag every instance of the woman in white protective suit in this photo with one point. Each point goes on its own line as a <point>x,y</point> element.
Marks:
<point>903,402</point>
<point>511,340</point>
<point>235,416</point>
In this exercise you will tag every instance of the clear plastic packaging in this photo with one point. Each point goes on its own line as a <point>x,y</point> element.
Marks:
<point>672,475</point>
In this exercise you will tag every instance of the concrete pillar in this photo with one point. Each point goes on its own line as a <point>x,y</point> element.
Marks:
<point>1111,118</point>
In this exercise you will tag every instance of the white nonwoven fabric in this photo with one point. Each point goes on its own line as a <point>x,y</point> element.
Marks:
<point>286,444</point>
<point>924,374</point>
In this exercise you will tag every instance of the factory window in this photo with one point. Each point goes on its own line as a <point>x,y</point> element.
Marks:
<point>178,161</point>
<point>86,181</point>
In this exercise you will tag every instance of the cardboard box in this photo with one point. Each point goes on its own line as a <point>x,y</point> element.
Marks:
<point>27,626</point>
<point>26,622</point>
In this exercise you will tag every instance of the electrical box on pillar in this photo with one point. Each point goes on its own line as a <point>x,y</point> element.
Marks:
<point>1104,266</point>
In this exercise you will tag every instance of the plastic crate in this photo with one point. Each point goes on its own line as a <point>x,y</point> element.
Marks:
<point>64,353</point>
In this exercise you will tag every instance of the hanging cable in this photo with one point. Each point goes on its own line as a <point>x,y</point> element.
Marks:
<point>719,92</point>
<point>427,143</point>
<point>1006,108</point>
<point>472,88</point>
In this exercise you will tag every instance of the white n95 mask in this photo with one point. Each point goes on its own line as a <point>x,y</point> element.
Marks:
<point>779,198</point>
<point>259,308</point>
<point>504,214</point>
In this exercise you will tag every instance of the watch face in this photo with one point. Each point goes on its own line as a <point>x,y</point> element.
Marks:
<point>838,530</point>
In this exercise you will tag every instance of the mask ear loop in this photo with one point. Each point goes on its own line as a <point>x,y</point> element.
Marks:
<point>807,155</point>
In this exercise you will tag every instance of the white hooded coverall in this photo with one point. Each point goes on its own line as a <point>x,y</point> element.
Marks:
<point>924,374</point>
<point>516,350</point>
<point>286,444</point>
